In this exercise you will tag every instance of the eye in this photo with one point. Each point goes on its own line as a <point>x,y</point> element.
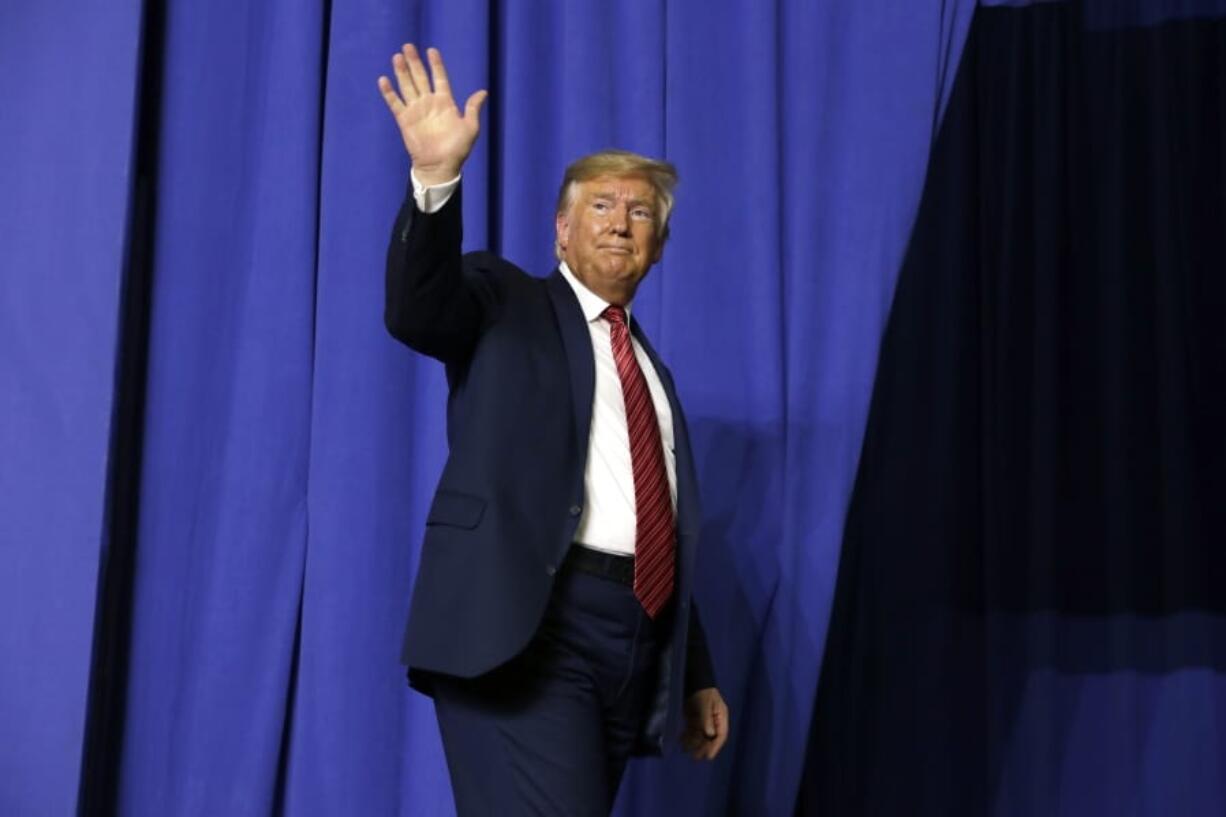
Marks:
<point>600,206</point>
<point>640,214</point>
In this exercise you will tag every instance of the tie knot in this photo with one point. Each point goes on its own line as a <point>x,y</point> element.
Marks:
<point>615,314</point>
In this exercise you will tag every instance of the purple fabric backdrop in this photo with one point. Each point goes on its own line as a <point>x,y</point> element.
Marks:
<point>291,446</point>
<point>68,92</point>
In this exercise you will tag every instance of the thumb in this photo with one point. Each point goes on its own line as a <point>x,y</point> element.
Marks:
<point>708,721</point>
<point>472,108</point>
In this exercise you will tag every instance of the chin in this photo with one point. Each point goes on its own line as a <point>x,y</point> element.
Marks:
<point>616,272</point>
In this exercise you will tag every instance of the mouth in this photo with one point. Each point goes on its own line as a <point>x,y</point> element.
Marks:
<point>616,250</point>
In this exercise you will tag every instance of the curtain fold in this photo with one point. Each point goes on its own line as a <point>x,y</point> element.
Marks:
<point>223,499</point>
<point>69,90</point>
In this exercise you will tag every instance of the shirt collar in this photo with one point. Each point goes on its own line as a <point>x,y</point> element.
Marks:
<point>593,305</point>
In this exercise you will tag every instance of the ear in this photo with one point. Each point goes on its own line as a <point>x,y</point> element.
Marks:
<point>561,225</point>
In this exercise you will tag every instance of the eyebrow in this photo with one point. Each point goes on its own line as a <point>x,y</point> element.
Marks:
<point>608,196</point>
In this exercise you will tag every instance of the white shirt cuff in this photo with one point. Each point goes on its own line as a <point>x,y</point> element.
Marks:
<point>431,199</point>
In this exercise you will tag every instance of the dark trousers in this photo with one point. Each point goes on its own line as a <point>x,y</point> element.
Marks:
<point>550,732</point>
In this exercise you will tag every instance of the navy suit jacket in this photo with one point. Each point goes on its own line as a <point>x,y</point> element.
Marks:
<point>521,373</point>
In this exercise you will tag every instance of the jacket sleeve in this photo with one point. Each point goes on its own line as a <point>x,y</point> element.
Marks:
<point>699,673</point>
<point>433,305</point>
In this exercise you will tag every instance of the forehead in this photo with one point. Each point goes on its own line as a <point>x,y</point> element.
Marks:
<point>619,187</point>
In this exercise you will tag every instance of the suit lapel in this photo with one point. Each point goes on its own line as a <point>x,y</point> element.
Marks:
<point>577,341</point>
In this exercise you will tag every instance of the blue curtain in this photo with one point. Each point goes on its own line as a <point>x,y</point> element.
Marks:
<point>68,97</point>
<point>288,447</point>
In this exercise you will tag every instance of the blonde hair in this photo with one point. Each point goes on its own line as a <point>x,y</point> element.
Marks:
<point>621,163</point>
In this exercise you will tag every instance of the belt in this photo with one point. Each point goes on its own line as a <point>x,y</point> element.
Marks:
<point>612,566</point>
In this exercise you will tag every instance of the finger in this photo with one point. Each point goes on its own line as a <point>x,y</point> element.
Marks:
<point>407,89</point>
<point>709,725</point>
<point>724,727</point>
<point>394,103</point>
<point>472,108</point>
<point>718,743</point>
<point>416,70</point>
<point>442,85</point>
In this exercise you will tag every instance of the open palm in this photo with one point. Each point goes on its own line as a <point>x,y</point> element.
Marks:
<point>437,136</point>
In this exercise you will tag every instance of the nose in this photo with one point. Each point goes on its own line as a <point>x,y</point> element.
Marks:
<point>619,220</point>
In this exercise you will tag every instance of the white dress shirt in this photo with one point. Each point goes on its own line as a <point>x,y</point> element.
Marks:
<point>608,520</point>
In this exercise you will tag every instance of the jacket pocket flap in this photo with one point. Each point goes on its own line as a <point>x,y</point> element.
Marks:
<point>456,509</point>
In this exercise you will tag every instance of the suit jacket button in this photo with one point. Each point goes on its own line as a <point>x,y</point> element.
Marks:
<point>575,510</point>
<point>550,570</point>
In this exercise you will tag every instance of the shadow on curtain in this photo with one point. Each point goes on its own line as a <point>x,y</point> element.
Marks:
<point>1029,617</point>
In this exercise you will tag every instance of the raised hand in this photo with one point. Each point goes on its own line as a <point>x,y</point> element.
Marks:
<point>437,137</point>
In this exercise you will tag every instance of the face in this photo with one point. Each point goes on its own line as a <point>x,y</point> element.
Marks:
<point>608,235</point>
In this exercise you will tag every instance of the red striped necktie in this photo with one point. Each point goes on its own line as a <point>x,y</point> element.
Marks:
<point>654,536</point>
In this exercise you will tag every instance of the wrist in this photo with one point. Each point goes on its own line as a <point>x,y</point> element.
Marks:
<point>430,175</point>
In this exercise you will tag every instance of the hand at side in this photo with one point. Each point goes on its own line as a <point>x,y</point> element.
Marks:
<point>706,724</point>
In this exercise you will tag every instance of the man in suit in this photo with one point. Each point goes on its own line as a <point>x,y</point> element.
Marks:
<point>551,619</point>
